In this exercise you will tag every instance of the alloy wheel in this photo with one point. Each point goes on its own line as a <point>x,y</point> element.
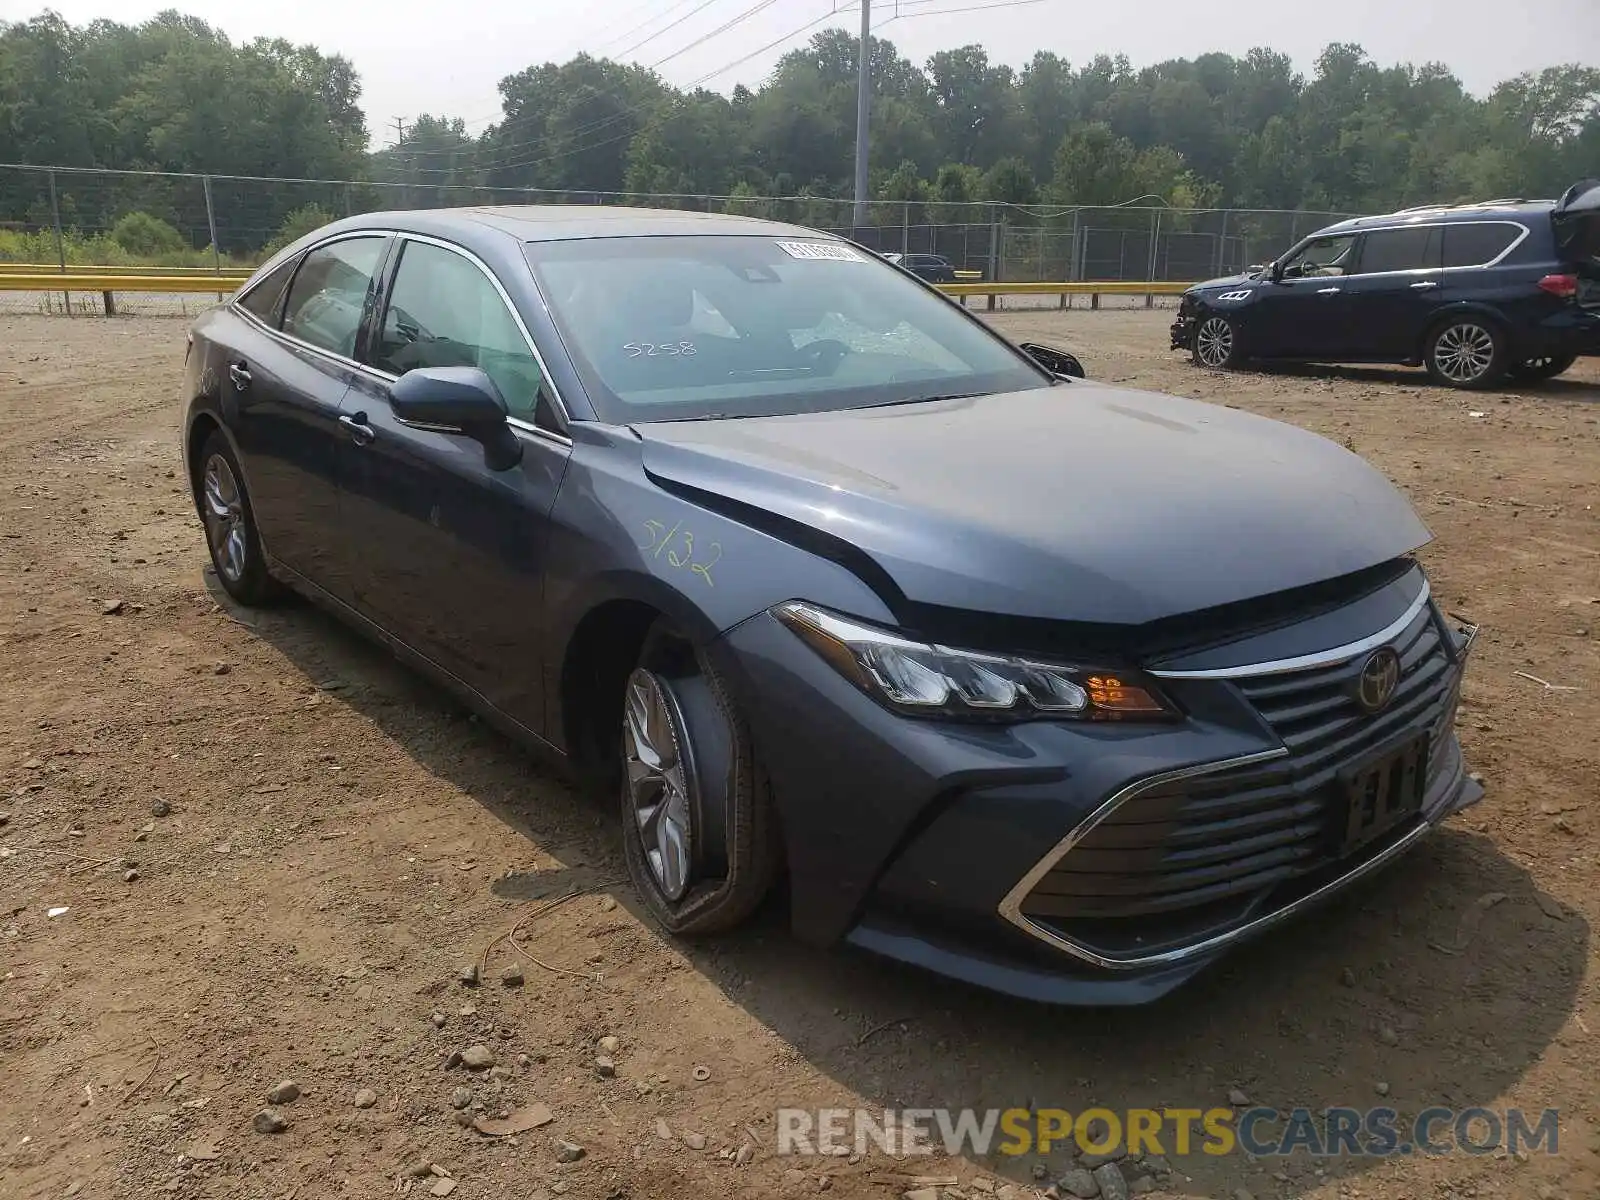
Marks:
<point>223,510</point>
<point>1213,342</point>
<point>1464,353</point>
<point>657,782</point>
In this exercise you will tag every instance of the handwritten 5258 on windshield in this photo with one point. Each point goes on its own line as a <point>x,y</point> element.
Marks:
<point>676,547</point>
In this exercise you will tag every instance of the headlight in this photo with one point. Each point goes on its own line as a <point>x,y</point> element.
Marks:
<point>918,677</point>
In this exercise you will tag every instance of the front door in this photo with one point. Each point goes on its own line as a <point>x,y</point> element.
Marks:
<point>451,552</point>
<point>286,388</point>
<point>1299,315</point>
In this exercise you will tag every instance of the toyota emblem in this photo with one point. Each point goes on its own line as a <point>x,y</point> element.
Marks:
<point>1379,677</point>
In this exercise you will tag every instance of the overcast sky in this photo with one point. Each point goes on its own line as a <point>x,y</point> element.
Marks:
<point>445,56</point>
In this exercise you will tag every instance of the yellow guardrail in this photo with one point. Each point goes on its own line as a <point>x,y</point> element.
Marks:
<point>11,268</point>
<point>108,281</point>
<point>1119,288</point>
<point>74,281</point>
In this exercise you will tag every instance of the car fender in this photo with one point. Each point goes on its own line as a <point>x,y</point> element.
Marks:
<point>1460,308</point>
<point>617,534</point>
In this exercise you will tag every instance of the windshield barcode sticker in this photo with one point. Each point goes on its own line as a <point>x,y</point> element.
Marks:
<point>814,250</point>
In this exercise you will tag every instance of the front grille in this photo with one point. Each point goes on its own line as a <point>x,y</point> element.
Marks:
<point>1191,856</point>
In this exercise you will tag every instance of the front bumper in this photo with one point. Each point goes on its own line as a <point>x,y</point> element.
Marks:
<point>1183,325</point>
<point>938,843</point>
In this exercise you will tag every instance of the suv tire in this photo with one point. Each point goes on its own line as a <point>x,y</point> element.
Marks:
<point>1467,351</point>
<point>1216,343</point>
<point>1546,367</point>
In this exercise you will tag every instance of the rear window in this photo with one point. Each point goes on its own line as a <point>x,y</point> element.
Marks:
<point>1478,243</point>
<point>262,300</point>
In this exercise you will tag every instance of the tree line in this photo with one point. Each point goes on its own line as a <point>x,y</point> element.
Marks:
<point>175,94</point>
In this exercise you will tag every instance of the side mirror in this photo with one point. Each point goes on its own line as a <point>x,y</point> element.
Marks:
<point>458,399</point>
<point>1058,362</point>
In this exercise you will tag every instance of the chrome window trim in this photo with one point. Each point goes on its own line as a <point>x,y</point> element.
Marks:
<point>516,423</point>
<point>1320,658</point>
<point>1523,233</point>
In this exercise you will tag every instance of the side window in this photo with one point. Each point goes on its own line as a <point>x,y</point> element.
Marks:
<point>262,300</point>
<point>1325,256</point>
<point>444,312</point>
<point>1412,249</point>
<point>1473,245</point>
<point>329,294</point>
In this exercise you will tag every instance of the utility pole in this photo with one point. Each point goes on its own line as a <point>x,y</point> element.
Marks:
<point>400,130</point>
<point>863,111</point>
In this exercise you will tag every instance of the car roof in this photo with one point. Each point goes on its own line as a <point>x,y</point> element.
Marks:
<point>567,222</point>
<point>1435,214</point>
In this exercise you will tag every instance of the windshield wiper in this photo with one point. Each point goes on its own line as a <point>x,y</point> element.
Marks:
<point>927,399</point>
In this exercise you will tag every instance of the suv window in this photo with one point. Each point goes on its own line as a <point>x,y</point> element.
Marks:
<point>329,294</point>
<point>444,312</point>
<point>1325,256</point>
<point>262,300</point>
<point>1474,244</point>
<point>1412,249</point>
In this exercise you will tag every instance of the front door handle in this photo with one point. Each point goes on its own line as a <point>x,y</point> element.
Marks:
<point>240,375</point>
<point>361,433</point>
<point>1424,286</point>
<point>1328,291</point>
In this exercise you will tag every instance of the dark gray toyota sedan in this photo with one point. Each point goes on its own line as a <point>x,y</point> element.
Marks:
<point>1059,688</point>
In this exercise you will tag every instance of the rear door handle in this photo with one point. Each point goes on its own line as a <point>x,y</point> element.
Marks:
<point>1328,291</point>
<point>1424,286</point>
<point>240,374</point>
<point>361,433</point>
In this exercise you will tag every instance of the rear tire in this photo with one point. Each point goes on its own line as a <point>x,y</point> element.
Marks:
<point>1466,352</point>
<point>700,829</point>
<point>1216,343</point>
<point>230,525</point>
<point>1545,367</point>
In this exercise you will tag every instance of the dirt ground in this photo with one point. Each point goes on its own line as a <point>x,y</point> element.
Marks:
<point>339,839</point>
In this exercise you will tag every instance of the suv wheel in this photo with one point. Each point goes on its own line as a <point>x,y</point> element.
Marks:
<point>1466,352</point>
<point>1216,343</point>
<point>1545,367</point>
<point>699,825</point>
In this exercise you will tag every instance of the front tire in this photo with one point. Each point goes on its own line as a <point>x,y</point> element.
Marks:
<point>1545,367</point>
<point>230,525</point>
<point>1466,352</point>
<point>699,825</point>
<point>1216,343</point>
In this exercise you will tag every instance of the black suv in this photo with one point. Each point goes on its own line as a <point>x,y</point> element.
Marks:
<point>1474,292</point>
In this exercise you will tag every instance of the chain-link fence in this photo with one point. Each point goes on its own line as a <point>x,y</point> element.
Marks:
<point>59,217</point>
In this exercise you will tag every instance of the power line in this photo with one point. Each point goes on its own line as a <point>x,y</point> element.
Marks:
<point>506,157</point>
<point>650,20</point>
<point>698,8</point>
<point>694,83</point>
<point>500,161</point>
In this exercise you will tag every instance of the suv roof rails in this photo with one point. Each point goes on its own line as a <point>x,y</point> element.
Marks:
<point>1498,202</point>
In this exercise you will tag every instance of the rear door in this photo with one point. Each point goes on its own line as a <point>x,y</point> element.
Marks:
<point>1388,300</point>
<point>284,382</point>
<point>451,553</point>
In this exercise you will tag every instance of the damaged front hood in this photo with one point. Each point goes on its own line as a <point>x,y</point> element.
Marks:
<point>1078,502</point>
